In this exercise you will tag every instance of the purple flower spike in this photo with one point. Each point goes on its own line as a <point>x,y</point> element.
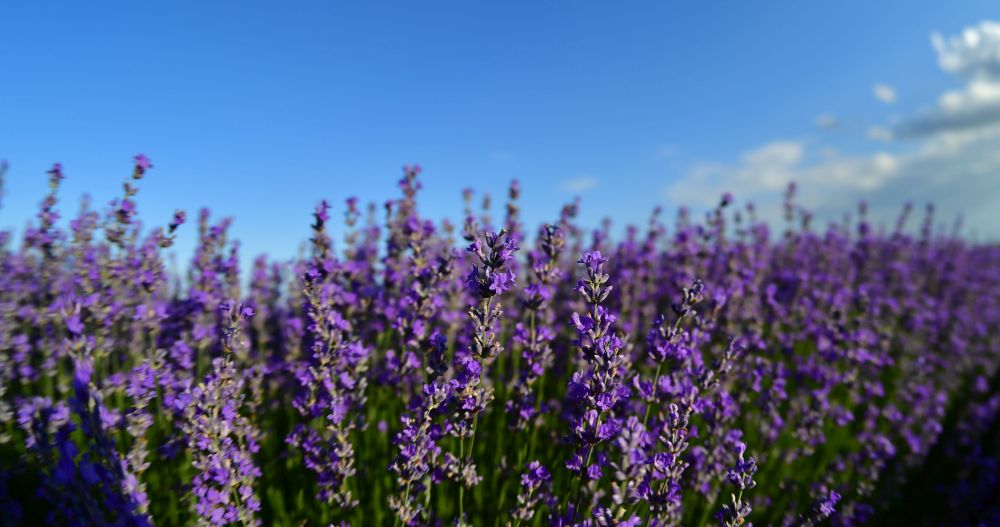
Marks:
<point>142,162</point>
<point>534,490</point>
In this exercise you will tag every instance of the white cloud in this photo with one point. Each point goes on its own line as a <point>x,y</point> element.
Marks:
<point>764,172</point>
<point>778,153</point>
<point>878,133</point>
<point>580,184</point>
<point>956,171</point>
<point>974,56</point>
<point>826,121</point>
<point>884,93</point>
<point>976,105</point>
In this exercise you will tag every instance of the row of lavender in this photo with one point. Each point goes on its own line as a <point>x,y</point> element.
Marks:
<point>709,373</point>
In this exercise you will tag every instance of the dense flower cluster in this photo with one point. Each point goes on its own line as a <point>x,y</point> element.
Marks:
<point>702,373</point>
<point>222,440</point>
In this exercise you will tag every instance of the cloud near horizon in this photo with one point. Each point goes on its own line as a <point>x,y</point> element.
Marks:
<point>952,161</point>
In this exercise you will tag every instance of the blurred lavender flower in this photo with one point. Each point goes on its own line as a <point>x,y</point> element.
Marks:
<point>88,486</point>
<point>332,384</point>
<point>536,337</point>
<point>533,482</point>
<point>740,476</point>
<point>418,452</point>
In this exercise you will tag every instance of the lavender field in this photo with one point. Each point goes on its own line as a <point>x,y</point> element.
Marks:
<point>707,369</point>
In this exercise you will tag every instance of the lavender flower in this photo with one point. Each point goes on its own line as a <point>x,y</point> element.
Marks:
<point>222,440</point>
<point>741,477</point>
<point>90,485</point>
<point>535,337</point>
<point>386,377</point>
<point>418,452</point>
<point>600,389</point>
<point>471,395</point>
<point>534,478</point>
<point>332,384</point>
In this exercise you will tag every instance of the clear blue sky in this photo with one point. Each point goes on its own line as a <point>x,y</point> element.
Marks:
<point>259,109</point>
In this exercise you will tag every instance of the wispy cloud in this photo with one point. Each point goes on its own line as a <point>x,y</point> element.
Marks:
<point>580,184</point>
<point>878,133</point>
<point>826,121</point>
<point>884,93</point>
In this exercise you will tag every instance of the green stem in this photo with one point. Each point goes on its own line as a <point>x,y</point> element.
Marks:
<point>461,486</point>
<point>579,484</point>
<point>656,382</point>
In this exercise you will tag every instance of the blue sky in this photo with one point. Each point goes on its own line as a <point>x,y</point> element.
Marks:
<point>260,109</point>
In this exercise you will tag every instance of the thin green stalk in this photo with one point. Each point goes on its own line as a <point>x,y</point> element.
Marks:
<point>656,382</point>
<point>579,480</point>
<point>461,486</point>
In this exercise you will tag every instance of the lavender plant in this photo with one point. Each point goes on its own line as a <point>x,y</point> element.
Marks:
<point>737,372</point>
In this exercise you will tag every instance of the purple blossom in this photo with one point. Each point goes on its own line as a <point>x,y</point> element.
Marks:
<point>142,162</point>
<point>385,372</point>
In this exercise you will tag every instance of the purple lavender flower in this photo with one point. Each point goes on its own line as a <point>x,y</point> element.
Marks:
<point>332,389</point>
<point>222,440</point>
<point>418,452</point>
<point>493,277</point>
<point>332,383</point>
<point>122,379</point>
<point>142,164</point>
<point>599,390</point>
<point>470,394</point>
<point>534,482</point>
<point>91,485</point>
<point>740,476</point>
